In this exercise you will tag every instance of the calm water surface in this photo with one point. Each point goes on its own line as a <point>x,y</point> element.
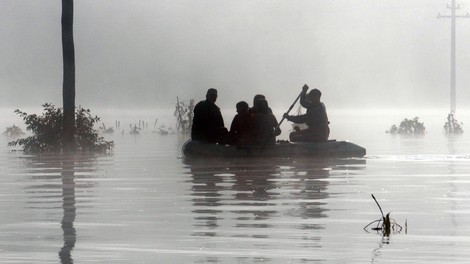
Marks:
<point>144,203</point>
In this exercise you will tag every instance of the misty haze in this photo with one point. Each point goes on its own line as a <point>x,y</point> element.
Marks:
<point>382,179</point>
<point>393,54</point>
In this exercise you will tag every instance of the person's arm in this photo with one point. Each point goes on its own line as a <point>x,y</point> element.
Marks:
<point>298,119</point>
<point>277,129</point>
<point>220,120</point>
<point>196,127</point>
<point>303,98</point>
<point>234,125</point>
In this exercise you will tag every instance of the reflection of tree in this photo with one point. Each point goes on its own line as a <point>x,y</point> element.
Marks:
<point>68,205</point>
<point>46,172</point>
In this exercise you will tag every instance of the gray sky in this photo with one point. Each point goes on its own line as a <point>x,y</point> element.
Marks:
<point>360,53</point>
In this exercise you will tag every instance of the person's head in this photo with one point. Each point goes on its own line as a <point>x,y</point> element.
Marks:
<point>314,95</point>
<point>211,95</point>
<point>242,107</point>
<point>261,106</point>
<point>258,97</point>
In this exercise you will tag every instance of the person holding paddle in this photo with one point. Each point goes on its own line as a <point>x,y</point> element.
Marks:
<point>315,118</point>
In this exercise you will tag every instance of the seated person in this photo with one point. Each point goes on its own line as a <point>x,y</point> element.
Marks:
<point>254,109</point>
<point>265,124</point>
<point>241,130</point>
<point>316,119</point>
<point>208,124</point>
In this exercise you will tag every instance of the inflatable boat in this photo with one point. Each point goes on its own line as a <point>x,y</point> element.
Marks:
<point>328,149</point>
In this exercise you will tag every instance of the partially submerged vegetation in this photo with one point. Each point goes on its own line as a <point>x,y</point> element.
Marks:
<point>47,131</point>
<point>106,130</point>
<point>13,132</point>
<point>408,127</point>
<point>184,119</point>
<point>452,126</point>
<point>184,116</point>
<point>163,130</point>
<point>384,225</point>
<point>415,127</point>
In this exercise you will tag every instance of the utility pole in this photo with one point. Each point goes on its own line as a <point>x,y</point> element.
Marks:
<point>68,88</point>
<point>453,17</point>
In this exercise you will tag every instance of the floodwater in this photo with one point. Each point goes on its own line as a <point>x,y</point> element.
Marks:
<point>144,203</point>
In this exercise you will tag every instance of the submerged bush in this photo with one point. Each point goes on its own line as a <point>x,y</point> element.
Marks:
<point>452,126</point>
<point>184,116</point>
<point>408,127</point>
<point>47,131</point>
<point>13,131</point>
<point>106,130</point>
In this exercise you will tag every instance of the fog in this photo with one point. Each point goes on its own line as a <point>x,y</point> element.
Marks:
<point>361,53</point>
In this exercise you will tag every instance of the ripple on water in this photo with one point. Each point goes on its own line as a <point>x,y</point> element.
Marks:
<point>143,204</point>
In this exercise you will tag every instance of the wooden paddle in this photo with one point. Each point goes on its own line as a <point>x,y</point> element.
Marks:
<point>290,108</point>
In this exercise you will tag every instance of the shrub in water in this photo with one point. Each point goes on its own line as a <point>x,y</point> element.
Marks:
<point>184,116</point>
<point>13,131</point>
<point>408,127</point>
<point>47,131</point>
<point>452,126</point>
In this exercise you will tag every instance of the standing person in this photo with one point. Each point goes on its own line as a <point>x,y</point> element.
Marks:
<point>208,124</point>
<point>241,130</point>
<point>265,124</point>
<point>316,118</point>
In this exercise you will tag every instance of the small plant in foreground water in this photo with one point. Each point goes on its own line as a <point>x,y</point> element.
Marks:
<point>385,225</point>
<point>47,131</point>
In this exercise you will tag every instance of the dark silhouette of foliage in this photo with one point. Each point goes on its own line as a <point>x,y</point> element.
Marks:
<point>408,127</point>
<point>452,126</point>
<point>48,136</point>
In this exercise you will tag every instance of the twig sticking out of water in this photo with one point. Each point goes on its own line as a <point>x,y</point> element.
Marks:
<point>386,224</point>
<point>380,208</point>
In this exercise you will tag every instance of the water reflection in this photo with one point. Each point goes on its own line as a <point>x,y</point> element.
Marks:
<point>259,202</point>
<point>69,209</point>
<point>234,193</point>
<point>377,252</point>
<point>253,190</point>
<point>53,180</point>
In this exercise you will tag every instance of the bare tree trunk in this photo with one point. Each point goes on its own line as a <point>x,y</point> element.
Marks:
<point>68,88</point>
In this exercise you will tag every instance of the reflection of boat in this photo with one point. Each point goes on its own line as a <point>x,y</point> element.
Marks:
<point>329,149</point>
